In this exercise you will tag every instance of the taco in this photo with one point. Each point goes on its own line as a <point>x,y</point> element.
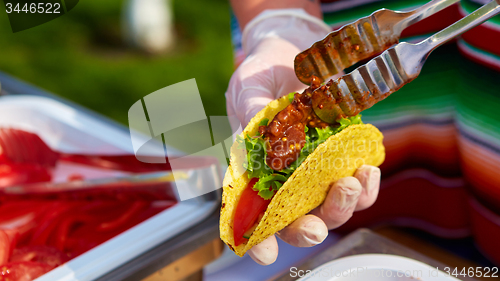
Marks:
<point>283,164</point>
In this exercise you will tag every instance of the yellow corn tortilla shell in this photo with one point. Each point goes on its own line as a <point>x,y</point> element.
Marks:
<point>307,187</point>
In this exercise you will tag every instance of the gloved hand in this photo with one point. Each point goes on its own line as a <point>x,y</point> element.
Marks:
<point>271,41</point>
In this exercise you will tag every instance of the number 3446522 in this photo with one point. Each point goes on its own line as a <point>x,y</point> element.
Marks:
<point>34,8</point>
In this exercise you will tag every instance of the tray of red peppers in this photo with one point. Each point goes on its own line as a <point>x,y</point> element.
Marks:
<point>65,211</point>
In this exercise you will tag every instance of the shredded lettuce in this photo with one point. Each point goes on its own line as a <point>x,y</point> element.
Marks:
<point>264,122</point>
<point>270,180</point>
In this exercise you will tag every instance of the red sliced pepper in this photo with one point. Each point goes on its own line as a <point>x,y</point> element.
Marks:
<point>4,247</point>
<point>125,217</point>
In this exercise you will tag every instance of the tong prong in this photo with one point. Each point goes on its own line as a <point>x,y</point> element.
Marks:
<point>388,72</point>
<point>359,40</point>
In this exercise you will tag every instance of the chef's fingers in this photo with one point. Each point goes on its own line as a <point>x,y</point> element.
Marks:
<point>369,177</point>
<point>265,252</point>
<point>244,103</point>
<point>306,231</point>
<point>340,202</point>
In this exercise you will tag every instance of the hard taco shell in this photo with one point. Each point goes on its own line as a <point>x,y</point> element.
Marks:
<point>307,187</point>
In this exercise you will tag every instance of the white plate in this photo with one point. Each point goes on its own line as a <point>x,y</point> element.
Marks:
<point>373,267</point>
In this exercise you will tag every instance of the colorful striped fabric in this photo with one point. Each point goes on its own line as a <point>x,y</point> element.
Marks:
<point>446,123</point>
<point>482,44</point>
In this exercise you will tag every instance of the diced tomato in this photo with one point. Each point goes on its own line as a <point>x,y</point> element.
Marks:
<point>23,271</point>
<point>250,206</point>
<point>42,254</point>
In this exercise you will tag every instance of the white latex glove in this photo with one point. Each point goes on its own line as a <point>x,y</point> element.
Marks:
<point>271,41</point>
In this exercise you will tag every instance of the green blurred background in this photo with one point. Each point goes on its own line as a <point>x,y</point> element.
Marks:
<point>82,56</point>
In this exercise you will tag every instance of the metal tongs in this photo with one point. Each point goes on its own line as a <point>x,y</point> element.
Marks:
<point>360,40</point>
<point>386,73</point>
